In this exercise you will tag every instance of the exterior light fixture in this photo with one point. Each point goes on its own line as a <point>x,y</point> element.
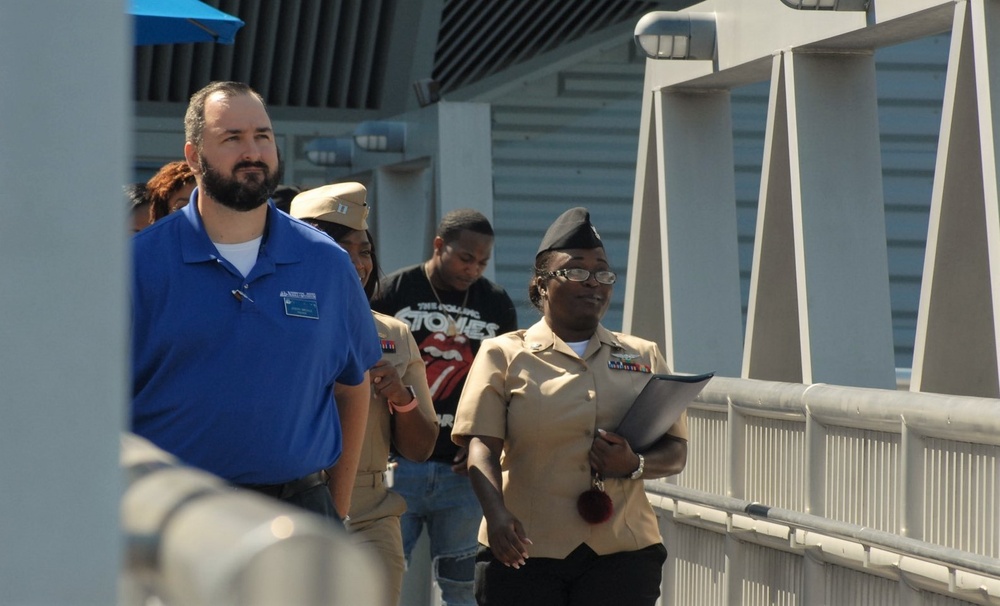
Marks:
<point>676,35</point>
<point>330,151</point>
<point>381,136</point>
<point>828,5</point>
<point>428,91</point>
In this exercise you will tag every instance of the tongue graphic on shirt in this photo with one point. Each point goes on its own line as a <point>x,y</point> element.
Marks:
<point>447,360</point>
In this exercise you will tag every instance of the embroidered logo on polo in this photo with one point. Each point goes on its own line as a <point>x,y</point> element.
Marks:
<point>618,365</point>
<point>300,304</point>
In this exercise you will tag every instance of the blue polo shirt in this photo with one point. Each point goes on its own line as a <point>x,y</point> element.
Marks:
<point>241,385</point>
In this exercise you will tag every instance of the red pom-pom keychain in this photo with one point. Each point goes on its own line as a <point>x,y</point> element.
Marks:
<point>594,505</point>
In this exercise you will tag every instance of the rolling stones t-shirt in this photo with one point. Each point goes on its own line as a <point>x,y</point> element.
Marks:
<point>448,333</point>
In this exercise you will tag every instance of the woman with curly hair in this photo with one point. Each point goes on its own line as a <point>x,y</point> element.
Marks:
<point>169,189</point>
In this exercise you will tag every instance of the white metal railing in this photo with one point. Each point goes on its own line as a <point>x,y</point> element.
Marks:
<point>888,493</point>
<point>793,494</point>
<point>193,540</point>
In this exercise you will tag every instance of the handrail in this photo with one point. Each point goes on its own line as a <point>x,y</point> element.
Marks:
<point>966,418</point>
<point>868,537</point>
<point>193,539</point>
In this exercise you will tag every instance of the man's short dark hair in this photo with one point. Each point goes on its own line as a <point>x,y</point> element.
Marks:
<point>135,195</point>
<point>194,118</point>
<point>457,221</point>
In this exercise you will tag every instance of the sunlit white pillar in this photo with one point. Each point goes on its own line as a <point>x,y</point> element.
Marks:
<point>64,114</point>
<point>683,288</point>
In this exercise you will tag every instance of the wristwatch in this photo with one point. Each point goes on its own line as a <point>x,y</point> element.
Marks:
<point>638,472</point>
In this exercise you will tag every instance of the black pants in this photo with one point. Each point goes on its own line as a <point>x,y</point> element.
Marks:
<point>317,500</point>
<point>628,578</point>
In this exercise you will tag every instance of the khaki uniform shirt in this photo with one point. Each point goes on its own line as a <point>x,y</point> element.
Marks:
<point>371,499</point>
<point>530,389</point>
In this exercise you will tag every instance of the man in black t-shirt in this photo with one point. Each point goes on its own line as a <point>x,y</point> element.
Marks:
<point>450,308</point>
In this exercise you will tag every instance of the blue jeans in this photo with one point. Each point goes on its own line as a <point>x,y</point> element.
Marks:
<point>443,501</point>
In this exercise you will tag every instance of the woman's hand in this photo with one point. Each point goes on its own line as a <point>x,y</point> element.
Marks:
<point>507,539</point>
<point>387,384</point>
<point>506,534</point>
<point>611,455</point>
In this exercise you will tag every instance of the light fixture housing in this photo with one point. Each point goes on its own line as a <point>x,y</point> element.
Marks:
<point>428,91</point>
<point>379,136</point>
<point>828,5</point>
<point>676,35</point>
<point>330,151</point>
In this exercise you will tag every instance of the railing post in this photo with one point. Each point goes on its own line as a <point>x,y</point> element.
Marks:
<point>735,474</point>
<point>913,490</point>
<point>815,497</point>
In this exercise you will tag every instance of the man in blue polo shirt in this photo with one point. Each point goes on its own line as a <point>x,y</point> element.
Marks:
<point>245,321</point>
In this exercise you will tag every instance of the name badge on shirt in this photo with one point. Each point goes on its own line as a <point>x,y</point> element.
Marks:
<point>301,304</point>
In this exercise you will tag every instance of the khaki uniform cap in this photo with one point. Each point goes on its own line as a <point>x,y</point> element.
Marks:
<point>342,203</point>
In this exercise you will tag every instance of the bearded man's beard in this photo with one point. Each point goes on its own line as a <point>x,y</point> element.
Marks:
<point>244,195</point>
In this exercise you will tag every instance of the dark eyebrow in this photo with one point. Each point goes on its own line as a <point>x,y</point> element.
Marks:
<point>598,259</point>
<point>259,129</point>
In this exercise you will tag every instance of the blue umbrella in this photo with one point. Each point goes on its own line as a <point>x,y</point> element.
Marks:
<point>181,21</point>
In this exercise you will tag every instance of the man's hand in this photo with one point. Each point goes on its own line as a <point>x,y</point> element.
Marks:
<point>460,463</point>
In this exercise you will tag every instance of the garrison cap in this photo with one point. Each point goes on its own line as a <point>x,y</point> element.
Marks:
<point>342,203</point>
<point>571,230</point>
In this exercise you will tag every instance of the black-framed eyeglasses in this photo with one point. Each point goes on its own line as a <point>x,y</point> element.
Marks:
<point>604,276</point>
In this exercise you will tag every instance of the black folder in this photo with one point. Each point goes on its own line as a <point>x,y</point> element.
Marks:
<point>658,406</point>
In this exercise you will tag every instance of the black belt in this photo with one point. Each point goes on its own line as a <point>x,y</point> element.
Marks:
<point>291,488</point>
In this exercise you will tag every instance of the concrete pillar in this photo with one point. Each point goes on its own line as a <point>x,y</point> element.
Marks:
<point>64,111</point>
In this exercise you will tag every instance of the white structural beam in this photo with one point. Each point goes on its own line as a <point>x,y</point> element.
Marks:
<point>644,314</point>
<point>889,10</point>
<point>683,260</point>
<point>955,349</point>
<point>841,266</point>
<point>772,350</point>
<point>819,307</point>
<point>63,360</point>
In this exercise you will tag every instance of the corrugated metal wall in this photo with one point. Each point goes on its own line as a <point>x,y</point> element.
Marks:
<point>567,140</point>
<point>570,139</point>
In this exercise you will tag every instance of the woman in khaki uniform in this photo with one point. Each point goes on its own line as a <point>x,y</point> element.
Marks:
<point>537,412</point>
<point>400,413</point>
